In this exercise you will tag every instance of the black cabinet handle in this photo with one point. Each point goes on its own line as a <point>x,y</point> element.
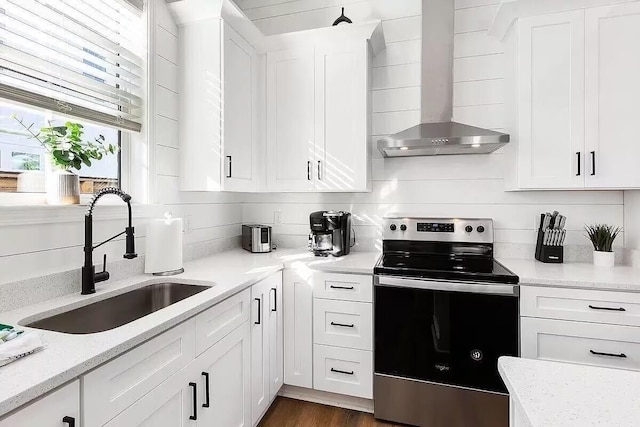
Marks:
<point>350,288</point>
<point>344,325</point>
<point>229,160</point>
<point>275,299</point>
<point>342,372</point>
<point>194,386</point>
<point>259,312</point>
<point>593,163</point>
<point>578,154</point>
<point>309,171</point>
<point>206,389</point>
<point>319,168</point>
<point>70,421</point>
<point>597,353</point>
<point>595,307</point>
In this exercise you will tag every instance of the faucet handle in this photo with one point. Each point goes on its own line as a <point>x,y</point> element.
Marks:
<point>104,263</point>
<point>104,274</point>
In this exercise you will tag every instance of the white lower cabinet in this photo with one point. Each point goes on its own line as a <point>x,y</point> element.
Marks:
<point>266,344</point>
<point>343,370</point>
<point>298,328</point>
<point>60,408</point>
<point>582,326</point>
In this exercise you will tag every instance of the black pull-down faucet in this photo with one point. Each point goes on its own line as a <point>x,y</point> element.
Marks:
<point>89,275</point>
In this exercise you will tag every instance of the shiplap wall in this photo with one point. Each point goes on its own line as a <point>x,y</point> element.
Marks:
<point>433,186</point>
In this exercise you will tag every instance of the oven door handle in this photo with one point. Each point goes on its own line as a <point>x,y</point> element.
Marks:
<point>476,288</point>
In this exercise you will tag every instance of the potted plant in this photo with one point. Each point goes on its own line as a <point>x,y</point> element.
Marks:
<point>602,237</point>
<point>67,150</point>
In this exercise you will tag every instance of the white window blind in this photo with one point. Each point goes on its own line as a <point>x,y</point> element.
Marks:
<point>82,58</point>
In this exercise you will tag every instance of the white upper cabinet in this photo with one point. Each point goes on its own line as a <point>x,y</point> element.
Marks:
<point>612,89</point>
<point>290,120</point>
<point>341,109</point>
<point>573,92</point>
<point>550,114</point>
<point>239,124</point>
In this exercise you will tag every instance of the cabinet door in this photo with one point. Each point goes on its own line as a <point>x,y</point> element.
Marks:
<point>298,327</point>
<point>200,126</point>
<point>224,389</point>
<point>341,150</point>
<point>239,111</point>
<point>612,89</point>
<point>290,120</point>
<point>260,386</point>
<point>550,85</point>
<point>60,408</point>
<point>171,404</point>
<point>276,339</point>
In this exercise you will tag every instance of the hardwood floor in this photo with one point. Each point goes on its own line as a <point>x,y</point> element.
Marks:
<point>287,412</point>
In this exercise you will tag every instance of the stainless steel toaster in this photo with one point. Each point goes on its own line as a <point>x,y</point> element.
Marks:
<point>256,238</point>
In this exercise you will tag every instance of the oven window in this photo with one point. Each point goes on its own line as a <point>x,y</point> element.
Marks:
<point>446,337</point>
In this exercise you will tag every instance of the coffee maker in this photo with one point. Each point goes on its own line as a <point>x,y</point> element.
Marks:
<point>330,233</point>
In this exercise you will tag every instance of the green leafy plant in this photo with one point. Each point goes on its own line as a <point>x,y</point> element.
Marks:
<point>66,147</point>
<point>602,236</point>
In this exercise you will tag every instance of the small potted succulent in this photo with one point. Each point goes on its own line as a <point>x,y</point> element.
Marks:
<point>67,150</point>
<point>602,237</point>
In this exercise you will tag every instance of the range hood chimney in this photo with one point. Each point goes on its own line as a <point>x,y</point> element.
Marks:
<point>437,134</point>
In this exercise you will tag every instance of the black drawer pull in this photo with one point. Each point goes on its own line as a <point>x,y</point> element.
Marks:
<point>194,386</point>
<point>206,389</point>
<point>349,288</point>
<point>275,299</point>
<point>593,163</point>
<point>597,353</point>
<point>595,307</point>
<point>344,325</point>
<point>259,312</point>
<point>342,372</point>
<point>70,421</point>
<point>578,154</point>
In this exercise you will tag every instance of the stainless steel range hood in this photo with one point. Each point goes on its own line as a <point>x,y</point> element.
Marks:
<point>438,135</point>
<point>431,139</point>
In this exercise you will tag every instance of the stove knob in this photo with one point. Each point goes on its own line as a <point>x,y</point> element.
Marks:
<point>392,227</point>
<point>480,229</point>
<point>403,227</point>
<point>468,229</point>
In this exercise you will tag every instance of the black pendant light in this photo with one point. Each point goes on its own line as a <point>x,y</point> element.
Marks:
<point>342,19</point>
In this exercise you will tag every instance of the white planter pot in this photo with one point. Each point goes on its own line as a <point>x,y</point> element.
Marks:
<point>604,259</point>
<point>63,188</point>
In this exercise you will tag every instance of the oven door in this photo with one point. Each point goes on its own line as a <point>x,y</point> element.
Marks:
<point>445,332</point>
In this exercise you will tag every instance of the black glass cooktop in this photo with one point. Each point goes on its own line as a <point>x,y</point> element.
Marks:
<point>457,262</point>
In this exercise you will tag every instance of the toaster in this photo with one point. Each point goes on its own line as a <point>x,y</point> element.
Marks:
<point>256,238</point>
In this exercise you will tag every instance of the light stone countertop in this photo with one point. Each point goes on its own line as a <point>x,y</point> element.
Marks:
<point>574,275</point>
<point>569,395</point>
<point>69,356</point>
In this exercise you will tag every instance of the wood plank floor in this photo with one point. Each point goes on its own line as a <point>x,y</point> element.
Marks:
<point>287,412</point>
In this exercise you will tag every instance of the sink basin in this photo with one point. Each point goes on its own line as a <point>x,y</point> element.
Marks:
<point>119,310</point>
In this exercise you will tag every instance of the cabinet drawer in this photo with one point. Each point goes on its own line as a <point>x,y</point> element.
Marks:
<point>212,325</point>
<point>49,410</point>
<point>343,323</point>
<point>581,342</point>
<point>619,308</point>
<point>343,370</point>
<point>115,386</point>
<point>351,287</point>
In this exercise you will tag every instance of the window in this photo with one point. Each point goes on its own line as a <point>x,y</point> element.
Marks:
<point>68,60</point>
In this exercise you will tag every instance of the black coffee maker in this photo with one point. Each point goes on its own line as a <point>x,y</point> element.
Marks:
<point>330,233</point>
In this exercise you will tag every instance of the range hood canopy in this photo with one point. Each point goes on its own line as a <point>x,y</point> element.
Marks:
<point>430,139</point>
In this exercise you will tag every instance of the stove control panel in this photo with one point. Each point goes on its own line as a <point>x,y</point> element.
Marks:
<point>470,230</point>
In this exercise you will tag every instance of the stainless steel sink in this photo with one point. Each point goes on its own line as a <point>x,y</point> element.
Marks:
<point>119,310</point>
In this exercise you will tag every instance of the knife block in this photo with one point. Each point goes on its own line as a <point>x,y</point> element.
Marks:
<point>546,253</point>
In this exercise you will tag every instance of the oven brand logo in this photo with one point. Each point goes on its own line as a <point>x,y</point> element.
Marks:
<point>443,368</point>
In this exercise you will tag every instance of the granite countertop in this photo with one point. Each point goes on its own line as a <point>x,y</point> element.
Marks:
<point>575,275</point>
<point>68,356</point>
<point>569,395</point>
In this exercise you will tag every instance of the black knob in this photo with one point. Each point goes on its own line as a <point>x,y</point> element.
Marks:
<point>480,229</point>
<point>392,227</point>
<point>468,229</point>
<point>403,227</point>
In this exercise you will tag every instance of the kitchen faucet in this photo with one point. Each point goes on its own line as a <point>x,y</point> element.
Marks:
<point>89,275</point>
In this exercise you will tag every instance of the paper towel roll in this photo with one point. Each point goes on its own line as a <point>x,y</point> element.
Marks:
<point>164,246</point>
